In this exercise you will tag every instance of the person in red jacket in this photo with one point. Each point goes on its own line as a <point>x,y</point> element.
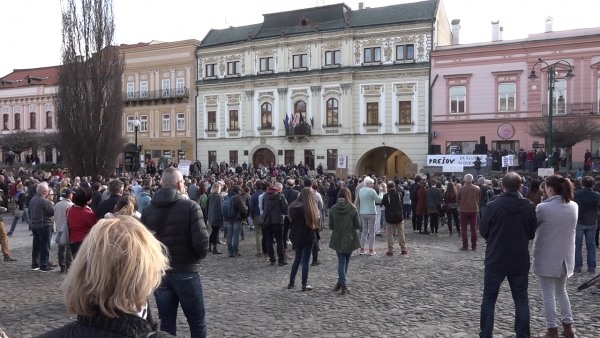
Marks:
<point>81,218</point>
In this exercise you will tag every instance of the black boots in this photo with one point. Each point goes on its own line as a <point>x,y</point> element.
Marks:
<point>345,289</point>
<point>337,287</point>
<point>215,251</point>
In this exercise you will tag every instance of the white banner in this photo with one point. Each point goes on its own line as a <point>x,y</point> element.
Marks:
<point>453,168</point>
<point>508,161</point>
<point>184,167</point>
<point>463,160</point>
<point>342,162</point>
<point>545,172</point>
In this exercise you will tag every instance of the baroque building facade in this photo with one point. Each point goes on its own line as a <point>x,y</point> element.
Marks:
<point>27,104</point>
<point>158,91</point>
<point>314,84</point>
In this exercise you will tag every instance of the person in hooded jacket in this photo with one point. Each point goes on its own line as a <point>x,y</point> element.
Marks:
<point>392,201</point>
<point>508,225</point>
<point>215,216</point>
<point>144,199</point>
<point>345,223</point>
<point>304,217</point>
<point>274,206</point>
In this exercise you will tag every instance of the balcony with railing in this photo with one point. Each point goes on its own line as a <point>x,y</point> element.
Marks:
<point>572,109</point>
<point>157,96</point>
<point>299,131</point>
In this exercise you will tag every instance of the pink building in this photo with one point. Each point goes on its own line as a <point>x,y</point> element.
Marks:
<point>483,89</point>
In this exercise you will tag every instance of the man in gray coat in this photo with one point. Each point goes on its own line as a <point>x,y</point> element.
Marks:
<point>193,191</point>
<point>41,210</point>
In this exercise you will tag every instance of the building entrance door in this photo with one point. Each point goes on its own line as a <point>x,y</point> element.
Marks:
<point>263,156</point>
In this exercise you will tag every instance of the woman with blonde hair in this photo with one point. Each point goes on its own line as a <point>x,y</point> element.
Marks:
<point>126,206</point>
<point>304,222</point>
<point>64,184</point>
<point>119,265</point>
<point>554,251</point>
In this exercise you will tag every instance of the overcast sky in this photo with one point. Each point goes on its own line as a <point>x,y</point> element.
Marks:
<point>30,31</point>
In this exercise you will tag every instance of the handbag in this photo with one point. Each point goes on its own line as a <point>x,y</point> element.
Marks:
<point>19,213</point>
<point>62,238</point>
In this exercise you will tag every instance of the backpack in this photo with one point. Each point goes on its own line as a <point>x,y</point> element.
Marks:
<point>486,196</point>
<point>203,200</point>
<point>228,208</point>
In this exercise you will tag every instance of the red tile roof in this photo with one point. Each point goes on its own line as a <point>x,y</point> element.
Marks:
<point>45,76</point>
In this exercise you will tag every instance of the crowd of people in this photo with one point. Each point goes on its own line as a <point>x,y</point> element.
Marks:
<point>287,211</point>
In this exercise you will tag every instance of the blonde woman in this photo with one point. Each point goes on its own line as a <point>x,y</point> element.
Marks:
<point>64,184</point>
<point>304,221</point>
<point>126,206</point>
<point>119,265</point>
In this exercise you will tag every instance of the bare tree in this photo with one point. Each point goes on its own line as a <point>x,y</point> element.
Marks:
<point>19,141</point>
<point>566,132</point>
<point>89,106</point>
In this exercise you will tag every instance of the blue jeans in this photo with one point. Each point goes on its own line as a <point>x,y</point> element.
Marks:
<point>40,254</point>
<point>184,289</point>
<point>343,263</point>
<point>477,171</point>
<point>518,287</point>
<point>234,228</point>
<point>16,220</point>
<point>302,255</point>
<point>589,231</point>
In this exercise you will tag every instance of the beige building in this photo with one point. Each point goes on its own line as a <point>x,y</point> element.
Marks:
<point>314,84</point>
<point>158,85</point>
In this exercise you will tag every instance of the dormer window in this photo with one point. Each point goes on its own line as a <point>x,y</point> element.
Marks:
<point>304,22</point>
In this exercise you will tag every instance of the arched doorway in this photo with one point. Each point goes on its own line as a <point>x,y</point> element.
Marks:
<point>383,161</point>
<point>263,156</point>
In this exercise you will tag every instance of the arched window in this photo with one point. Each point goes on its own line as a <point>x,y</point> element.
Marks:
<point>17,121</point>
<point>32,120</point>
<point>266,115</point>
<point>5,122</point>
<point>300,111</point>
<point>332,112</point>
<point>49,118</point>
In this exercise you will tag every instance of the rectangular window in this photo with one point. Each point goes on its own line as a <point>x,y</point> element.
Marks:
<point>233,157</point>
<point>458,98</point>
<point>233,120</point>
<point>372,113</point>
<point>130,90</point>
<point>309,158</point>
<point>130,119</point>
<point>333,58</point>
<point>372,54</point>
<point>332,155</point>
<point>17,121</point>
<point>156,153</point>
<point>166,88</point>
<point>211,70</point>
<point>179,86</point>
<point>212,157</point>
<point>166,122</point>
<point>300,61</point>
<point>212,121</point>
<point>559,97</point>
<point>507,94</point>
<point>405,52</point>
<point>144,123</point>
<point>405,112</point>
<point>289,157</point>
<point>5,121</point>
<point>233,68</point>
<point>144,89</point>
<point>410,52</point>
<point>266,64</point>
<point>49,119</point>
<point>180,121</point>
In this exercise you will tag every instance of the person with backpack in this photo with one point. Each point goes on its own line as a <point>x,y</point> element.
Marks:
<point>234,211</point>
<point>392,201</point>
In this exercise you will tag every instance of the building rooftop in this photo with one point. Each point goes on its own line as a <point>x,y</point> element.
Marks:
<point>324,18</point>
<point>45,76</point>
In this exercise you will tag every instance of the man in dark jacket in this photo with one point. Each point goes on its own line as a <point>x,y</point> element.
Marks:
<point>41,210</point>
<point>508,225</point>
<point>414,200</point>
<point>261,243</point>
<point>274,207</point>
<point>178,224</point>
<point>290,195</point>
<point>589,204</point>
<point>234,224</point>
<point>115,189</point>
<point>392,201</point>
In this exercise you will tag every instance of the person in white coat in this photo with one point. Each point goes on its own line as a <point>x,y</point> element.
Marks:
<point>554,252</point>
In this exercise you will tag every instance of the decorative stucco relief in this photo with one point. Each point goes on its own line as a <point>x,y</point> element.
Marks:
<point>388,44</point>
<point>299,48</point>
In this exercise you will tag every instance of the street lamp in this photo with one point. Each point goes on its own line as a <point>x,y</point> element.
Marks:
<point>136,157</point>
<point>551,80</point>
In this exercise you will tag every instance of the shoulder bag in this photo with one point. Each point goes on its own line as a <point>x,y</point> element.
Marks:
<point>63,238</point>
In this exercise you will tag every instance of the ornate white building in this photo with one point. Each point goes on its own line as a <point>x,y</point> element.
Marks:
<point>345,82</point>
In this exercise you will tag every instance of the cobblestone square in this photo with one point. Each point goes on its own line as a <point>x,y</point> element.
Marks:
<point>434,291</point>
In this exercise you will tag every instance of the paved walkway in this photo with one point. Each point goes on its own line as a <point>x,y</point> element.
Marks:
<point>435,291</point>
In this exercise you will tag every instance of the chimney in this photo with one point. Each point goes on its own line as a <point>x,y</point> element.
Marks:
<point>495,31</point>
<point>455,31</point>
<point>549,21</point>
<point>361,5</point>
<point>501,31</point>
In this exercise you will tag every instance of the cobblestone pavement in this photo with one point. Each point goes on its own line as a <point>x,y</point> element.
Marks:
<point>435,291</point>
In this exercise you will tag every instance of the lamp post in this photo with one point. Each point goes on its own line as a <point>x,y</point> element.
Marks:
<point>136,157</point>
<point>551,80</point>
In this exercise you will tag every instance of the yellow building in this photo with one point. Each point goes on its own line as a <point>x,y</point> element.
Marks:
<point>159,91</point>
